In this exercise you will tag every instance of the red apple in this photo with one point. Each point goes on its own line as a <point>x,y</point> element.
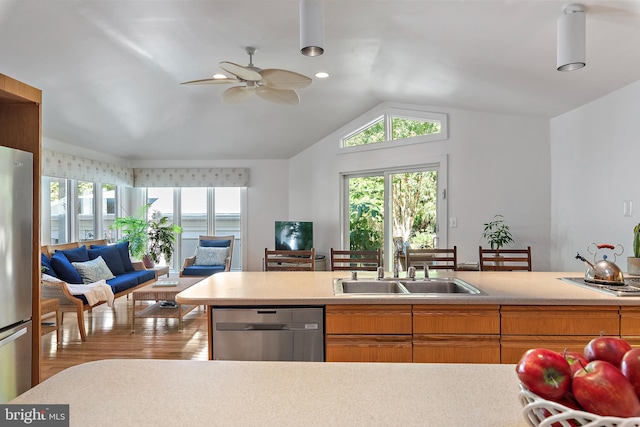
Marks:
<point>610,349</point>
<point>545,373</point>
<point>576,361</point>
<point>602,389</point>
<point>630,367</point>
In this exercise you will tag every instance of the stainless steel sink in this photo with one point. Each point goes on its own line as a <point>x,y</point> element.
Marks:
<point>367,287</point>
<point>402,287</point>
<point>441,286</point>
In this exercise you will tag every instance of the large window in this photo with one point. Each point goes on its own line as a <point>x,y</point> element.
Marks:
<point>77,210</point>
<point>58,224</point>
<point>393,205</point>
<point>86,204</point>
<point>200,211</point>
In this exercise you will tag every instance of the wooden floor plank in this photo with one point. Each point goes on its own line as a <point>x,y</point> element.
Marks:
<point>109,337</point>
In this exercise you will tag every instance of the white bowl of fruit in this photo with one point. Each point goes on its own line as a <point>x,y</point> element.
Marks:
<point>597,388</point>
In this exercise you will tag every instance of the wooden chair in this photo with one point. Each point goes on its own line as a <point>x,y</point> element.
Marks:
<point>505,259</point>
<point>436,259</point>
<point>280,260</point>
<point>355,260</point>
<point>50,307</point>
<point>189,268</point>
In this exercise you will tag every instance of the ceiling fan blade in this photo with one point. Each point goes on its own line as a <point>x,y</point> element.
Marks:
<point>278,96</point>
<point>243,73</point>
<point>236,94</point>
<point>284,79</point>
<point>211,81</point>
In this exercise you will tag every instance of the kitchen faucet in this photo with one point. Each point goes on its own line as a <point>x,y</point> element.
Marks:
<point>425,266</point>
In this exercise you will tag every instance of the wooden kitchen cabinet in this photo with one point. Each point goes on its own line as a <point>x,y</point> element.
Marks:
<point>554,327</point>
<point>630,322</point>
<point>368,333</point>
<point>456,333</point>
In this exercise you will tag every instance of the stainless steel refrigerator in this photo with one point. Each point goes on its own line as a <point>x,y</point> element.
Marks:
<point>16,229</point>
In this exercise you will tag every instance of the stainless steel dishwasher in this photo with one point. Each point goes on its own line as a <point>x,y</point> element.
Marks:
<point>268,333</point>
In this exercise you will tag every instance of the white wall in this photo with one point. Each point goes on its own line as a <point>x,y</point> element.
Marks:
<point>595,161</point>
<point>498,164</point>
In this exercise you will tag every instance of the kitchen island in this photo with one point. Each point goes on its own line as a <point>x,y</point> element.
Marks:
<point>225,393</point>
<point>517,311</point>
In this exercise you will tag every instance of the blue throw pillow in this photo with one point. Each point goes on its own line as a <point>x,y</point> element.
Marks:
<point>215,243</point>
<point>63,268</point>
<point>44,261</point>
<point>80,254</point>
<point>123,247</point>
<point>110,255</point>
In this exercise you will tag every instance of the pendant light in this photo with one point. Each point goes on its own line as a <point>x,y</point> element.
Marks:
<point>571,38</point>
<point>311,28</point>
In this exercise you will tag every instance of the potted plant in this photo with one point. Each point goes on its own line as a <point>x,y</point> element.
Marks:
<point>497,233</point>
<point>148,239</point>
<point>633,263</point>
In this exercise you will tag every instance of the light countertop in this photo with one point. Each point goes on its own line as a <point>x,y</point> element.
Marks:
<point>226,393</point>
<point>291,288</point>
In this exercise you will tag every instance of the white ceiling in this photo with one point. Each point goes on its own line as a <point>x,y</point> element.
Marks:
<point>110,70</point>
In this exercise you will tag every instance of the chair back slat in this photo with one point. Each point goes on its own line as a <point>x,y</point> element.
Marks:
<point>355,260</point>
<point>436,259</point>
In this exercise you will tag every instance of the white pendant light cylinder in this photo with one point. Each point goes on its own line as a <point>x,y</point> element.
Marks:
<point>311,28</point>
<point>571,38</point>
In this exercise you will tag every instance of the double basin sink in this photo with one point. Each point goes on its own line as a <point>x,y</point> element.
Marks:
<point>398,287</point>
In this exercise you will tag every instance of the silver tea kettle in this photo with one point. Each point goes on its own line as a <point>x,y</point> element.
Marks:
<point>604,271</point>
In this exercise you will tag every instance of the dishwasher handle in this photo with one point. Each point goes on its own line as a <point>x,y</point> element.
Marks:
<point>265,326</point>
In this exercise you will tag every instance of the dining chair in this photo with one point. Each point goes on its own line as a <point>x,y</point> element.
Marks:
<point>282,260</point>
<point>505,259</point>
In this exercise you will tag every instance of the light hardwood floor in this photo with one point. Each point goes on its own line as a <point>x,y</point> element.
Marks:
<point>109,337</point>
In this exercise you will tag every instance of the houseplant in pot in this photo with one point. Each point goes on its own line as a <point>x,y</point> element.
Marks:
<point>497,233</point>
<point>149,239</point>
<point>633,263</point>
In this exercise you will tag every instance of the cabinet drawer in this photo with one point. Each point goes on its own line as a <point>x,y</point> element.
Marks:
<point>456,319</point>
<point>369,348</point>
<point>513,347</point>
<point>370,319</point>
<point>456,349</point>
<point>560,320</point>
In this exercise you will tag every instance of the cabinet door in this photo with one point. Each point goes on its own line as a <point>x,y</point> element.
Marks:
<point>560,320</point>
<point>368,319</point>
<point>456,319</point>
<point>368,348</point>
<point>456,348</point>
<point>629,322</point>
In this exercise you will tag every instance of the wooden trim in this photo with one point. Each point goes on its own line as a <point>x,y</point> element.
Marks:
<point>560,320</point>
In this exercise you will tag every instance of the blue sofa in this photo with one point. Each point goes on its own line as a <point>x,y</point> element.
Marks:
<point>58,262</point>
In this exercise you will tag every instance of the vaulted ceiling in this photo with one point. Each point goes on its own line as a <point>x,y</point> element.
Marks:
<point>111,70</point>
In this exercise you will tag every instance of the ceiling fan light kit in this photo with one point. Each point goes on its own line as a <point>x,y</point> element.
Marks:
<point>311,28</point>
<point>571,38</point>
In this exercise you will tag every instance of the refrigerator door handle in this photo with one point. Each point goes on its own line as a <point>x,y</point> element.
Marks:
<point>13,337</point>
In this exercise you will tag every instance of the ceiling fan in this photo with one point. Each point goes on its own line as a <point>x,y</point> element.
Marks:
<point>273,85</point>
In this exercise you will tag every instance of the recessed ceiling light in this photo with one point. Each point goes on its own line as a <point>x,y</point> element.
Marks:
<point>322,75</point>
<point>219,76</point>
